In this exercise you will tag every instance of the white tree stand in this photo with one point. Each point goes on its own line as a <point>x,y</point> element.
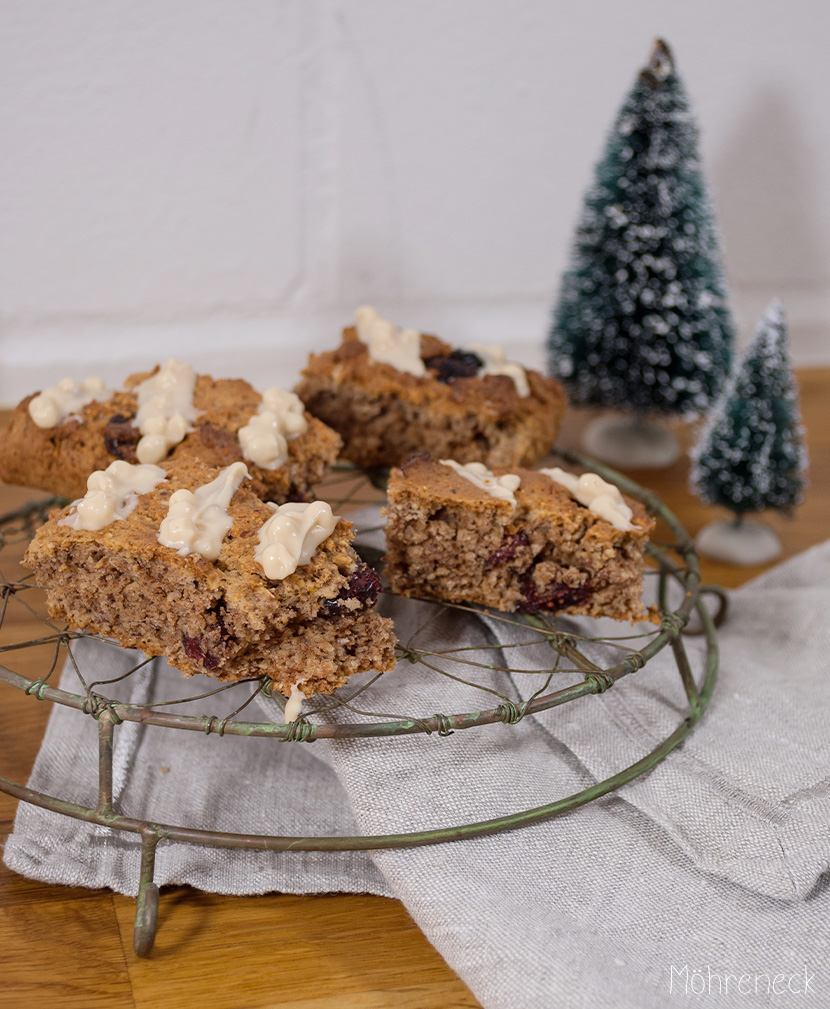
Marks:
<point>739,541</point>
<point>630,442</point>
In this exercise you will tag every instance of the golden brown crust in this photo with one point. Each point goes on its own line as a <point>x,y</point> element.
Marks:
<point>448,539</point>
<point>60,459</point>
<point>384,414</point>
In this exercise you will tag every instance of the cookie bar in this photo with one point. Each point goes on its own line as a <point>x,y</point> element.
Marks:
<point>187,562</point>
<point>515,539</point>
<point>391,393</point>
<point>56,438</point>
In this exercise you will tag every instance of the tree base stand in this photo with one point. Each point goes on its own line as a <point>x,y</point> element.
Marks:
<point>739,542</point>
<point>630,442</point>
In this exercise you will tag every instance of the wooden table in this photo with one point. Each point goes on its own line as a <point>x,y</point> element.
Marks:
<point>73,947</point>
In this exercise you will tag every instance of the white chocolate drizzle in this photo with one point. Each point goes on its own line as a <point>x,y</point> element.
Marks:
<point>388,344</point>
<point>280,417</point>
<point>60,401</point>
<point>294,704</point>
<point>500,487</point>
<point>289,538</point>
<point>112,494</point>
<point>598,496</point>
<point>165,410</point>
<point>197,521</point>
<point>495,363</point>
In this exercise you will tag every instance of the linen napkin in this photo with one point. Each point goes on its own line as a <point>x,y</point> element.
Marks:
<point>747,795</point>
<point>705,872</point>
<point>184,778</point>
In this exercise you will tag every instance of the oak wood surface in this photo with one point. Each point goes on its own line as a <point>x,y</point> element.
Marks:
<point>73,947</point>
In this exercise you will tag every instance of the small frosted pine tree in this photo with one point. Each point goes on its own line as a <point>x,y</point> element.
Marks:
<point>750,456</point>
<point>641,323</point>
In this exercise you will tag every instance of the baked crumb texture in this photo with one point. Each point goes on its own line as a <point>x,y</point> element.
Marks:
<point>315,628</point>
<point>60,459</point>
<point>384,415</point>
<point>448,540</point>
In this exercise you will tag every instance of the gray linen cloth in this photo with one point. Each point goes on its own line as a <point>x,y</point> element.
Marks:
<point>700,882</point>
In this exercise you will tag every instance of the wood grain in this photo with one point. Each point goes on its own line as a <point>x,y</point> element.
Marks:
<point>310,950</point>
<point>73,947</point>
<point>62,952</point>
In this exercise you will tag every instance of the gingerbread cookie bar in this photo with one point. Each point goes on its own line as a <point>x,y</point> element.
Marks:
<point>515,539</point>
<point>187,562</point>
<point>56,438</point>
<point>391,393</point>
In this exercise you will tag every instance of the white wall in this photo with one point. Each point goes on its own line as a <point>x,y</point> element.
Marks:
<point>225,180</point>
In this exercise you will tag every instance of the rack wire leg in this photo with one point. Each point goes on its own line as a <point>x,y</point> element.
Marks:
<point>105,746</point>
<point>147,907</point>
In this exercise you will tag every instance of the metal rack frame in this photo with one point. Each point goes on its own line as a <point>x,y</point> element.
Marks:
<point>110,713</point>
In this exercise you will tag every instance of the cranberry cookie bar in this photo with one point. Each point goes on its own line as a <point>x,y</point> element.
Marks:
<point>390,393</point>
<point>59,436</point>
<point>515,539</point>
<point>187,562</point>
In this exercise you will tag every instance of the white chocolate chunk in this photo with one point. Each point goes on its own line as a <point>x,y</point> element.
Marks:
<point>280,417</point>
<point>599,496</point>
<point>495,363</point>
<point>165,410</point>
<point>112,494</point>
<point>501,487</point>
<point>290,537</point>
<point>60,401</point>
<point>197,521</point>
<point>388,344</point>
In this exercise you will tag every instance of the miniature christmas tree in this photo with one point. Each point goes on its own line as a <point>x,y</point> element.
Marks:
<point>641,324</point>
<point>750,456</point>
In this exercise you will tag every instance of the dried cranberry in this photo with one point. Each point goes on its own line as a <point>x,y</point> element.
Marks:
<point>121,438</point>
<point>507,551</point>
<point>364,586</point>
<point>192,648</point>
<point>223,446</point>
<point>556,596</point>
<point>458,364</point>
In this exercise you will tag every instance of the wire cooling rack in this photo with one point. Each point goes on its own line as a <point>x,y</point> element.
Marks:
<point>673,562</point>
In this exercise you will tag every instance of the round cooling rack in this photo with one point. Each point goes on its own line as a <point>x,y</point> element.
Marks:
<point>673,563</point>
